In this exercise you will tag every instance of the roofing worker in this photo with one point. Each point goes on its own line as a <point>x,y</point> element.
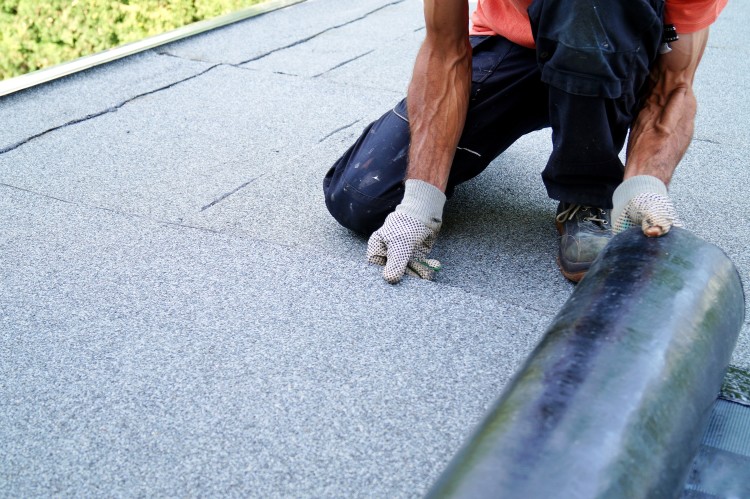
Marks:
<point>579,66</point>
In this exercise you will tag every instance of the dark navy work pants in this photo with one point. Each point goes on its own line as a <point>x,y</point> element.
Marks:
<point>583,80</point>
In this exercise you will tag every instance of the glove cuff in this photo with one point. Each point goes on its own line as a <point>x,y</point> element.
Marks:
<point>631,188</point>
<point>424,202</point>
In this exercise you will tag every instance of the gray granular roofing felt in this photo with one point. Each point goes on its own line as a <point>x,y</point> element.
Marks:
<point>84,94</point>
<point>180,314</point>
<point>148,358</point>
<point>175,152</point>
<point>286,28</point>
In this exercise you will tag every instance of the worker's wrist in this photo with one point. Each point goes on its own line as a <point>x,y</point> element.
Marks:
<point>632,187</point>
<point>424,202</point>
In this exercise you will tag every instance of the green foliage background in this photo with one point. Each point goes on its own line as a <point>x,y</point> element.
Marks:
<point>35,34</point>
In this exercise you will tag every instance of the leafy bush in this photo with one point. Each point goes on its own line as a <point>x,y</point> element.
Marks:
<point>35,34</point>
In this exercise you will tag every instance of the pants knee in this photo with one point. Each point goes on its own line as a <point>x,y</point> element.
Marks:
<point>366,183</point>
<point>353,210</point>
<point>598,50</point>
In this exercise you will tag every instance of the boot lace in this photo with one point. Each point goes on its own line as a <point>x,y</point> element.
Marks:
<point>596,215</point>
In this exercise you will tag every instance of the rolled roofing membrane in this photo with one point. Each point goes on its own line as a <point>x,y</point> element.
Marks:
<point>614,400</point>
<point>722,466</point>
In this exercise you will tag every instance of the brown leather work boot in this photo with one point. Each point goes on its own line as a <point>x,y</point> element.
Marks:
<point>584,232</point>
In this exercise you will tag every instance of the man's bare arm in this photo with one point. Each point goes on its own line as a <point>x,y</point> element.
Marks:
<point>658,139</point>
<point>438,95</point>
<point>664,127</point>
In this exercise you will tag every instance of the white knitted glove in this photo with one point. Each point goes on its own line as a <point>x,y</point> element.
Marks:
<point>643,201</point>
<point>401,245</point>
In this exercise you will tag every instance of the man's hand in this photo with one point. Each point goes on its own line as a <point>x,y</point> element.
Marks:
<point>643,201</point>
<point>437,102</point>
<point>401,245</point>
<point>658,140</point>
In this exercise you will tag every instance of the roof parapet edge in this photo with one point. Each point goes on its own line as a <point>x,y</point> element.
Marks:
<point>45,75</point>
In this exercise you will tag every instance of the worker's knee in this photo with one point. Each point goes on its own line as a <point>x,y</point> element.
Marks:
<point>596,49</point>
<point>355,210</point>
<point>366,183</point>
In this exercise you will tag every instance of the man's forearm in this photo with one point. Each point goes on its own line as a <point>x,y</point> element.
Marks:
<point>661,135</point>
<point>437,101</point>
<point>664,127</point>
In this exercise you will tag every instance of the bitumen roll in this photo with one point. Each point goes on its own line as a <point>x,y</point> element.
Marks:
<point>613,401</point>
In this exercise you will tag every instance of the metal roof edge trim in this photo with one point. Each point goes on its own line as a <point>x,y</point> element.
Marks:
<point>45,75</point>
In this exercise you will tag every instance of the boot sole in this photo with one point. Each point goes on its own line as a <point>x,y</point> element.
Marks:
<point>571,276</point>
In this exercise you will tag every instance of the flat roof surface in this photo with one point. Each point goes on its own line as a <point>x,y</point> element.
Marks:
<point>182,316</point>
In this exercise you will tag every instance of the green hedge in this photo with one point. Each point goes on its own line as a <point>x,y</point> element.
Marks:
<point>39,33</point>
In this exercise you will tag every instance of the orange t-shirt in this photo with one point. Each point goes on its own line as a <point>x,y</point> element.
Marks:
<point>509,18</point>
